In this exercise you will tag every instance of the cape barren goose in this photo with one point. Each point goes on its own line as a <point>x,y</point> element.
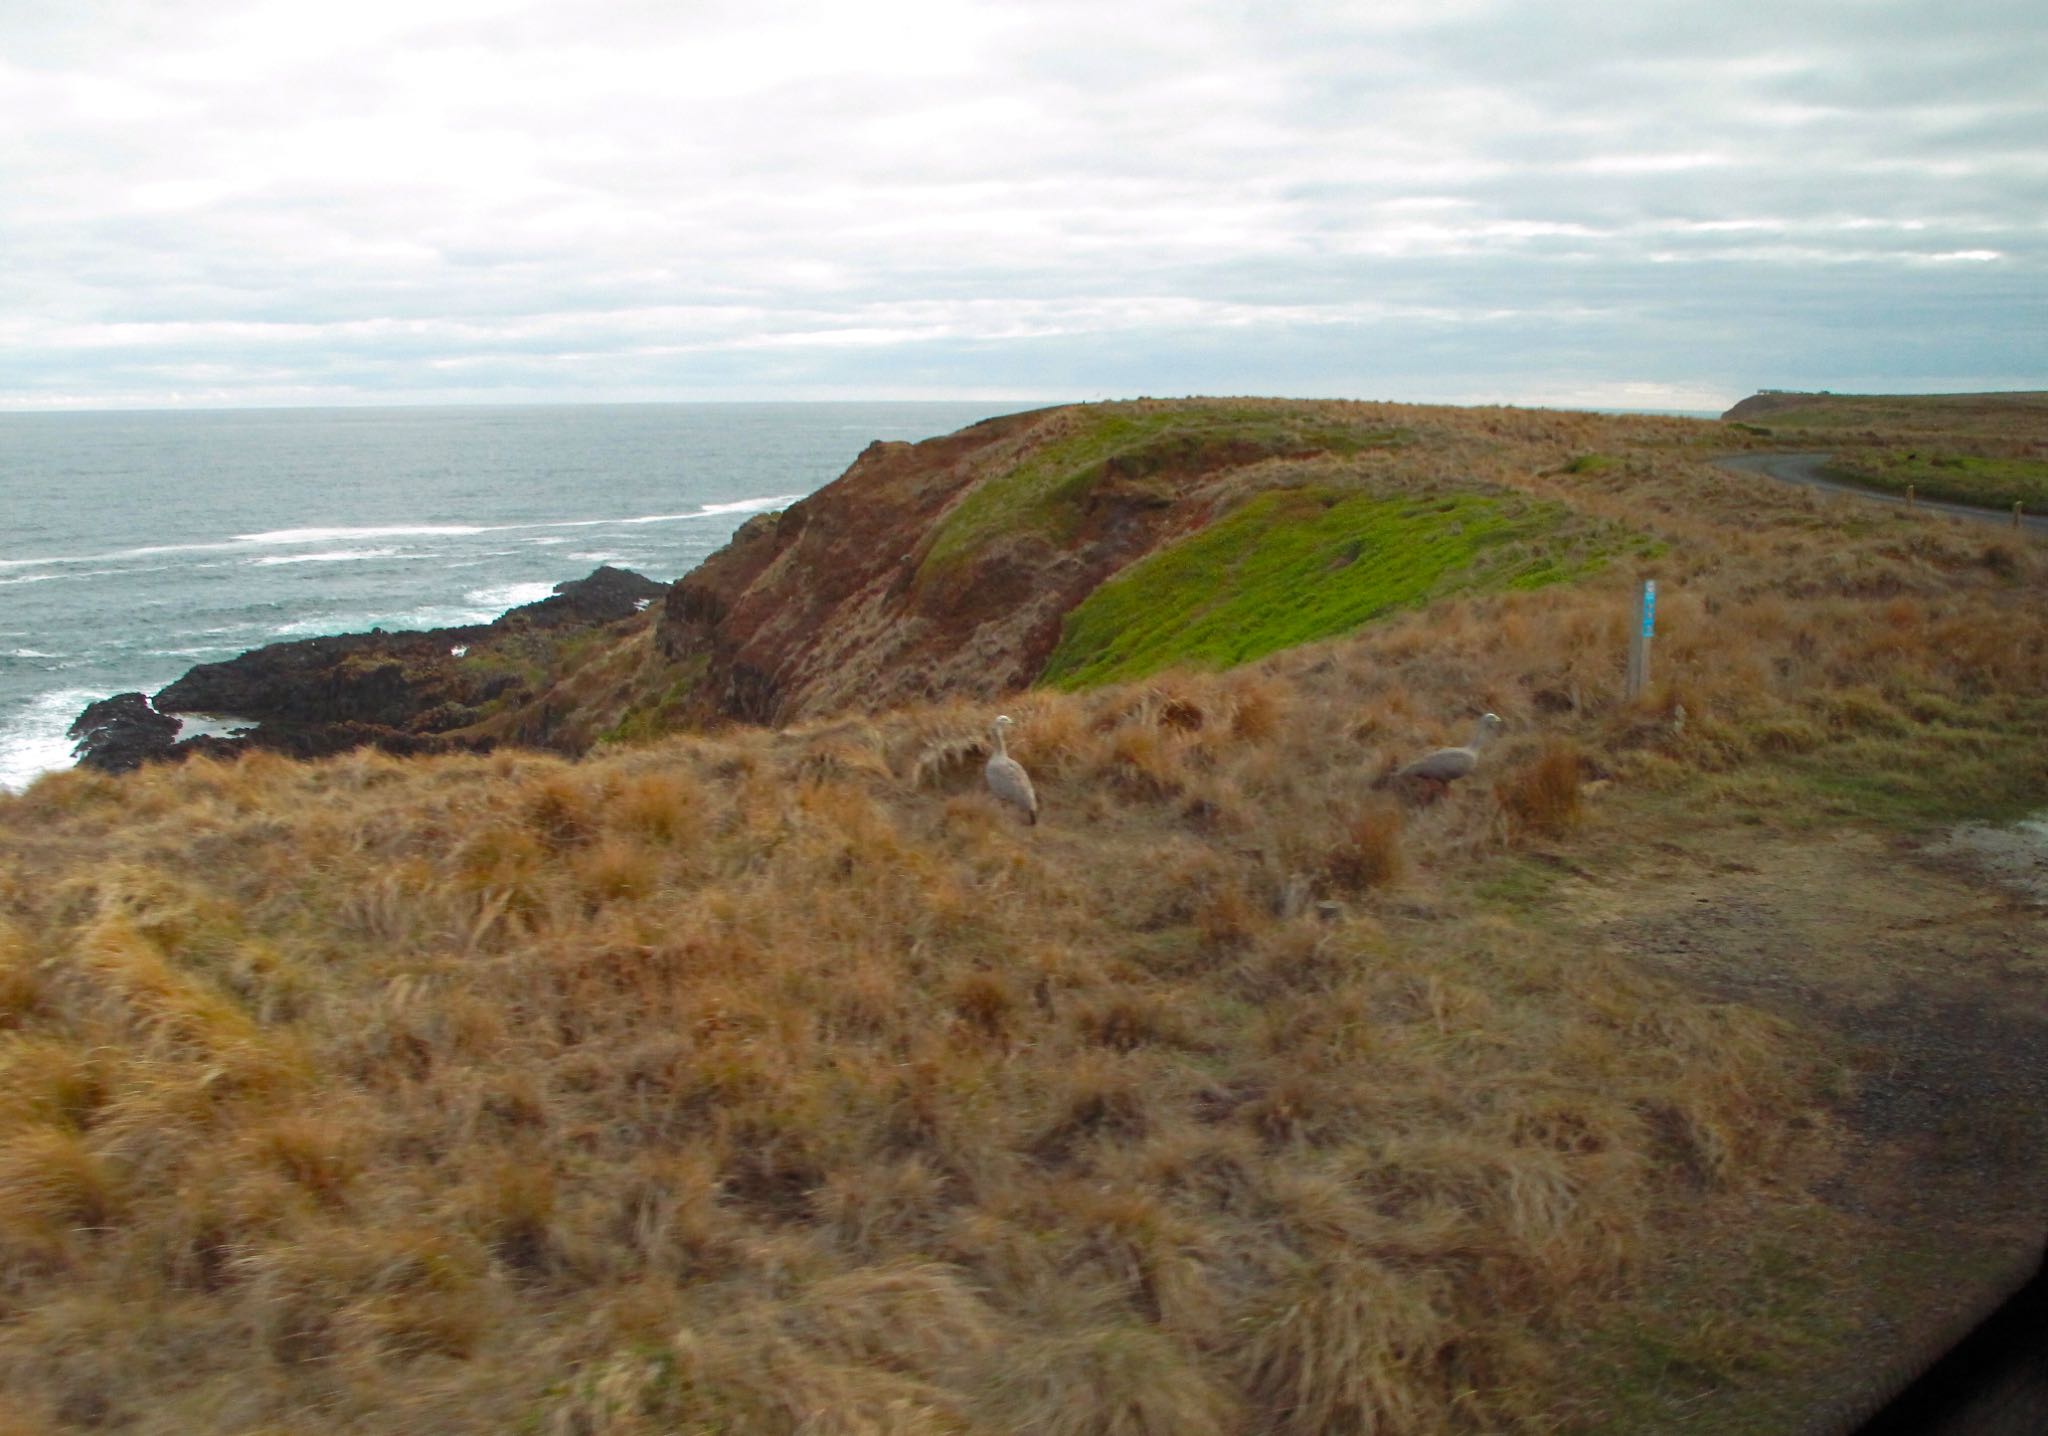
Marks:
<point>1006,776</point>
<point>1447,765</point>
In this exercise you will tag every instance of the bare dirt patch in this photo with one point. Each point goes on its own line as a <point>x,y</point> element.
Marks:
<point>1920,965</point>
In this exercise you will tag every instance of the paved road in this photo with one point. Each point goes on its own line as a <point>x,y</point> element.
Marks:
<point>1806,469</point>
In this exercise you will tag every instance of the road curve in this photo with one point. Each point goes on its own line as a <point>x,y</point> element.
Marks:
<point>1807,469</point>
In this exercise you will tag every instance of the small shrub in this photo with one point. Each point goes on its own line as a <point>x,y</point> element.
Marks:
<point>615,871</point>
<point>321,1155</point>
<point>1256,709</point>
<point>1126,1021</point>
<point>665,807</point>
<point>513,1208</point>
<point>560,811</point>
<point>1345,1346</point>
<point>1121,1381</point>
<point>49,1175</point>
<point>1544,796</point>
<point>1369,853</point>
<point>986,1003</point>
<point>1787,735</point>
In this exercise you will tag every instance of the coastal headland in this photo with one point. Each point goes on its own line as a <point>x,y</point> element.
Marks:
<point>698,1046</point>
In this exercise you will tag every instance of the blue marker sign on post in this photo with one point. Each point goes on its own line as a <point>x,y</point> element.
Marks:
<point>1639,644</point>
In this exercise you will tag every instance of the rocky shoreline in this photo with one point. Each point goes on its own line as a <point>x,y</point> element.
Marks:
<point>403,692</point>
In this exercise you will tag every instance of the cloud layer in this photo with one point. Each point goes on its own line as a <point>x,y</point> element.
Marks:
<point>1655,206</point>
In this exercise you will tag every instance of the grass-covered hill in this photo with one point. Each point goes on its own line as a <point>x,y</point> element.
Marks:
<point>1097,542</point>
<point>1985,449</point>
<point>776,1080</point>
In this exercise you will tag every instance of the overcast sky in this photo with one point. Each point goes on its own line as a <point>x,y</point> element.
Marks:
<point>1638,204</point>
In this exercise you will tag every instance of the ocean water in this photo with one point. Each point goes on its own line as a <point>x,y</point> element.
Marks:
<point>134,545</point>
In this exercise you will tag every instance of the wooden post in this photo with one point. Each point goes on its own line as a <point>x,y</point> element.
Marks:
<point>1639,640</point>
<point>1909,496</point>
<point>2015,513</point>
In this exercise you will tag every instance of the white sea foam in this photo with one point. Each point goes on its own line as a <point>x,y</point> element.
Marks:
<point>327,626</point>
<point>25,653</point>
<point>33,741</point>
<point>712,511</point>
<point>479,605</point>
<point>342,555</point>
<point>747,506</point>
<point>510,595</point>
<point>285,538</point>
<point>343,535</point>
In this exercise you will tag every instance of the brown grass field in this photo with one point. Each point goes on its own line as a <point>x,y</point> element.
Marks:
<point>781,1082</point>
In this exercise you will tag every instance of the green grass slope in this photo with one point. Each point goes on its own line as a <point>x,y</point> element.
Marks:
<point>1297,565</point>
<point>1046,491</point>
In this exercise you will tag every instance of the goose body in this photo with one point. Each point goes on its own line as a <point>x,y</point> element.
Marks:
<point>1446,765</point>
<point>1006,776</point>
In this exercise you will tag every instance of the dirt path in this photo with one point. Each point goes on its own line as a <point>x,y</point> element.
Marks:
<point>1806,469</point>
<point>1925,966</point>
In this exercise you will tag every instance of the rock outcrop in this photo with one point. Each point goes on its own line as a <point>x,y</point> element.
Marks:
<point>118,734</point>
<point>402,692</point>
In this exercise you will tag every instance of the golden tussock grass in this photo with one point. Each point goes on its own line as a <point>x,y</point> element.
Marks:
<point>782,1082</point>
<point>1543,795</point>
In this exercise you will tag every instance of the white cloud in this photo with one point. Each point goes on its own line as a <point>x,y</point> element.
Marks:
<point>626,200</point>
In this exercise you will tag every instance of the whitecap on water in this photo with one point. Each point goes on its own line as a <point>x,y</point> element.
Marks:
<point>34,740</point>
<point>510,595</point>
<point>342,535</point>
<point>343,555</point>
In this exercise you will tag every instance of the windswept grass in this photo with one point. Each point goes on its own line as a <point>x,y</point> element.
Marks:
<point>743,1082</point>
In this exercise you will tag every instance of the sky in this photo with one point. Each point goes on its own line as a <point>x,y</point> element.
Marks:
<point>214,203</point>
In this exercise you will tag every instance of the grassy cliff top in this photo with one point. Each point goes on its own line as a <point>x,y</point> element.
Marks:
<point>2019,414</point>
<point>778,1080</point>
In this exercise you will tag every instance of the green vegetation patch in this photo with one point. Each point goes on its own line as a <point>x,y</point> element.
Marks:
<point>1960,478</point>
<point>1990,768</point>
<point>1044,493</point>
<point>1293,566</point>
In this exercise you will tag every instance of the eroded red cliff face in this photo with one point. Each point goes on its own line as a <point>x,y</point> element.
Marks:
<point>830,605</point>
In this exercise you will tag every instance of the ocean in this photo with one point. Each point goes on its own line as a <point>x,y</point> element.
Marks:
<point>137,544</point>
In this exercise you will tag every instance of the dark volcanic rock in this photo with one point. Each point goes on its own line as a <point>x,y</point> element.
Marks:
<point>378,678</point>
<point>402,692</point>
<point>607,596</point>
<point>120,733</point>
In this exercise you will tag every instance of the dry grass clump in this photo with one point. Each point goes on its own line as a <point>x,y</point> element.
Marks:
<point>773,1082</point>
<point>1543,795</point>
<point>1369,853</point>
